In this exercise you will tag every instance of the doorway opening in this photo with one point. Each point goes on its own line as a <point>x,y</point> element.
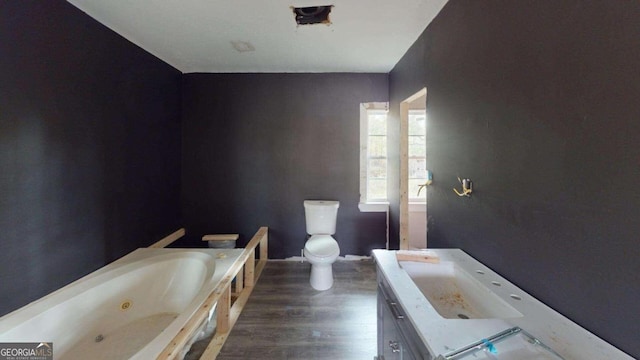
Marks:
<point>413,171</point>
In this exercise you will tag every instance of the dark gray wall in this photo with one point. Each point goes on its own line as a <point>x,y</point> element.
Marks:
<point>89,148</point>
<point>255,146</point>
<point>537,103</point>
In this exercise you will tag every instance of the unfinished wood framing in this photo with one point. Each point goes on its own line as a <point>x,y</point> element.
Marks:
<point>222,320</point>
<point>220,237</point>
<point>166,241</point>
<point>227,310</point>
<point>404,175</point>
<point>404,167</point>
<point>239,283</point>
<point>252,270</point>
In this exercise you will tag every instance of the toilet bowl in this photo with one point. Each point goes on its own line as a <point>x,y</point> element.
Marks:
<point>321,251</point>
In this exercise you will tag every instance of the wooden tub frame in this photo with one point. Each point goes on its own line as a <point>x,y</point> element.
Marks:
<point>245,270</point>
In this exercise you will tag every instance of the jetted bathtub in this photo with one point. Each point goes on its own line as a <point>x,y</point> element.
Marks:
<point>129,309</point>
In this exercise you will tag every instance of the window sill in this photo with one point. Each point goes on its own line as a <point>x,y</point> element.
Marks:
<point>417,206</point>
<point>374,206</point>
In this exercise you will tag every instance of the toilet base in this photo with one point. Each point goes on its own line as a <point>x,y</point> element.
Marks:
<point>321,277</point>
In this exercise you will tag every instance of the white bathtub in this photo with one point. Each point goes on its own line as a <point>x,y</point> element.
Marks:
<point>129,309</point>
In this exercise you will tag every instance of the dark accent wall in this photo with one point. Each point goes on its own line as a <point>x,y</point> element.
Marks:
<point>538,103</point>
<point>255,146</point>
<point>89,148</point>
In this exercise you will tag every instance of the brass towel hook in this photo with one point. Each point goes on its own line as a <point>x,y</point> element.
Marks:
<point>467,187</point>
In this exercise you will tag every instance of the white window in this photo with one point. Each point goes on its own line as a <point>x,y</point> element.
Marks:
<point>373,153</point>
<point>417,155</point>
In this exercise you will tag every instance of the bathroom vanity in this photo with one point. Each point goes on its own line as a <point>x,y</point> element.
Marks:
<point>460,309</point>
<point>397,338</point>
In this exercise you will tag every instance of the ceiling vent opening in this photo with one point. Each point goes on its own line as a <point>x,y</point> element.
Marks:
<point>312,15</point>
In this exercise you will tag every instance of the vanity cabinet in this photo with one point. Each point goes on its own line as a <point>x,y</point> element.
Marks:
<point>419,307</point>
<point>397,338</point>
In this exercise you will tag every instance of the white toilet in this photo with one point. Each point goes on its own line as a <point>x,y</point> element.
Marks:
<point>321,249</point>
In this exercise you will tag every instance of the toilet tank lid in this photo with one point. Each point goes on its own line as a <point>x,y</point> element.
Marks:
<point>322,203</point>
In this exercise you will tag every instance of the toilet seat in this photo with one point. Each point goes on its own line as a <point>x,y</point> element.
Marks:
<point>322,246</point>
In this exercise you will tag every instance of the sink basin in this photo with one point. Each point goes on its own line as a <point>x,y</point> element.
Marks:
<point>455,294</point>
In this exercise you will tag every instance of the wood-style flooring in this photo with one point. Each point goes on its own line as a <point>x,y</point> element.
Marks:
<point>286,319</point>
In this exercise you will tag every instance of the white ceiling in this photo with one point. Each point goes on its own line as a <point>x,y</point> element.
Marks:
<point>196,35</point>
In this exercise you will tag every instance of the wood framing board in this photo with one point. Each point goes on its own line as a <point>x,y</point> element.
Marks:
<point>220,237</point>
<point>249,270</point>
<point>259,267</point>
<point>232,261</point>
<point>218,296</point>
<point>222,317</point>
<point>239,281</point>
<point>252,272</point>
<point>404,175</point>
<point>166,241</point>
<point>216,344</point>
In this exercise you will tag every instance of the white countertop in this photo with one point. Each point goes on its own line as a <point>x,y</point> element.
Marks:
<point>442,336</point>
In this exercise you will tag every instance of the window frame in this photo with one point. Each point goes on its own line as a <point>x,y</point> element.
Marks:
<point>372,204</point>
<point>412,195</point>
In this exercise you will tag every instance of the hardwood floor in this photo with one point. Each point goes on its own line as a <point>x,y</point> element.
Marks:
<point>286,319</point>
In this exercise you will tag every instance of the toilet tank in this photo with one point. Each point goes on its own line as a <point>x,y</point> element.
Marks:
<point>320,216</point>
